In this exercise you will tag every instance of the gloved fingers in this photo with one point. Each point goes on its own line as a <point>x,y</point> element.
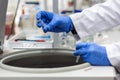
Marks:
<point>39,24</point>
<point>44,14</point>
<point>39,16</point>
<point>80,52</point>
<point>50,26</point>
<point>81,45</point>
<point>46,21</point>
<point>46,28</point>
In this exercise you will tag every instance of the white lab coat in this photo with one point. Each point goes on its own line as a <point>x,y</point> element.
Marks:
<point>98,18</point>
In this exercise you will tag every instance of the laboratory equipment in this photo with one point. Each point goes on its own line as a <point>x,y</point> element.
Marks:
<point>24,65</point>
<point>28,21</point>
<point>3,8</point>
<point>50,64</point>
<point>30,36</point>
<point>19,41</point>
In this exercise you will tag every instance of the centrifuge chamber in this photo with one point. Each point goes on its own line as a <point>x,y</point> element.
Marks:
<point>50,64</point>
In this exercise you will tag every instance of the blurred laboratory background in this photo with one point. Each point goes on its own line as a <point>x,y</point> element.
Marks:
<point>21,30</point>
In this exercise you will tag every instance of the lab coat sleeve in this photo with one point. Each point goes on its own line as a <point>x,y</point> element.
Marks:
<point>98,18</point>
<point>113,52</point>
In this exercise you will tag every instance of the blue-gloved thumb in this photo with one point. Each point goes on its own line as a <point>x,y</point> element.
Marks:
<point>80,52</point>
<point>76,54</point>
<point>39,24</point>
<point>50,27</point>
<point>46,28</point>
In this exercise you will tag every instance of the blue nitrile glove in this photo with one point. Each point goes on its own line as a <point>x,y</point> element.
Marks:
<point>92,53</point>
<point>54,22</point>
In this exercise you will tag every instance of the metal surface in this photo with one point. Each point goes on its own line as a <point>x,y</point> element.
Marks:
<point>44,60</point>
<point>74,4</point>
<point>3,9</point>
<point>45,5</point>
<point>56,35</point>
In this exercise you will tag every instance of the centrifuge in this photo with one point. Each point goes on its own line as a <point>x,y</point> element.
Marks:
<point>50,64</point>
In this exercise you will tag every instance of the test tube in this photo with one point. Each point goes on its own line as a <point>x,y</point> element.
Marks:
<point>41,22</point>
<point>77,57</point>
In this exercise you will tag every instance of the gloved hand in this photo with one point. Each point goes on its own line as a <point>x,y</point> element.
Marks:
<point>54,22</point>
<point>92,53</point>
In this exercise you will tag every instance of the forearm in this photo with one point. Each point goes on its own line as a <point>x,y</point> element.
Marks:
<point>97,18</point>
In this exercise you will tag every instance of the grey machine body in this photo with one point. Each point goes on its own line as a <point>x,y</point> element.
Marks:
<point>3,9</point>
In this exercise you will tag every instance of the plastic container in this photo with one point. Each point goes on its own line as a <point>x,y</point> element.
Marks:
<point>18,42</point>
